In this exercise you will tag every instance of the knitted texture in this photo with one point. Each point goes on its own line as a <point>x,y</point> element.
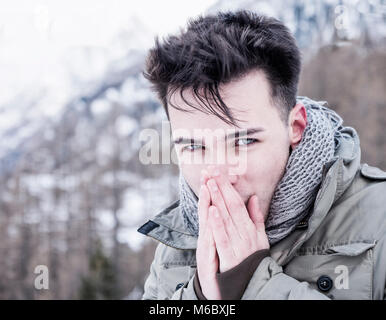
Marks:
<point>295,193</point>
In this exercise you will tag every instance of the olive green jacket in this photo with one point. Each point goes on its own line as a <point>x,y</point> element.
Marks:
<point>339,254</point>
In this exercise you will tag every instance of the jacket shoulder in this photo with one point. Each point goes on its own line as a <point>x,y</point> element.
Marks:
<point>360,213</point>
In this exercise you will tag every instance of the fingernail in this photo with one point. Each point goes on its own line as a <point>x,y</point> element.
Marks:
<point>212,185</point>
<point>257,201</point>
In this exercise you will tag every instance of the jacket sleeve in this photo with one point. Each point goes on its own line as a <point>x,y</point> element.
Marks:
<point>269,282</point>
<point>232,283</point>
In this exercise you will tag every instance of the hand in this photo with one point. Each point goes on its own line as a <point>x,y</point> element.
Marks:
<point>206,255</point>
<point>237,231</point>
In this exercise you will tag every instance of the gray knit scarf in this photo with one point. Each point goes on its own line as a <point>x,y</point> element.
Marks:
<point>296,192</point>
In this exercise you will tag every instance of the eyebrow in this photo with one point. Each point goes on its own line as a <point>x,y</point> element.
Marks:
<point>236,134</point>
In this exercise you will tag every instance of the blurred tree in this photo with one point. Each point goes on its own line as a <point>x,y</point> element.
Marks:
<point>100,282</point>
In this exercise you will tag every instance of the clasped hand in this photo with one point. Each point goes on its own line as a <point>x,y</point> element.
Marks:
<point>229,231</point>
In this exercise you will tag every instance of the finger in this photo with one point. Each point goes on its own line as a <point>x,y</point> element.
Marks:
<point>208,267</point>
<point>203,206</point>
<point>219,203</point>
<point>235,206</point>
<point>206,252</point>
<point>221,239</point>
<point>204,176</point>
<point>233,200</point>
<point>212,252</point>
<point>255,213</point>
<point>208,173</point>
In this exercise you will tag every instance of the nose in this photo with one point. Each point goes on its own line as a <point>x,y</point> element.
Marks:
<point>227,171</point>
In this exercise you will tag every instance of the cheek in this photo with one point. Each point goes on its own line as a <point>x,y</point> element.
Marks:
<point>266,166</point>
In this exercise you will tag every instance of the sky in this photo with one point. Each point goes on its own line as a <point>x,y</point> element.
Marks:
<point>35,35</point>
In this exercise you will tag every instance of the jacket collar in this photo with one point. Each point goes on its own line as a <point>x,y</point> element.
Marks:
<point>168,228</point>
<point>168,225</point>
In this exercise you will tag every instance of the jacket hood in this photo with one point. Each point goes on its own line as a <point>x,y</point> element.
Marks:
<point>349,153</point>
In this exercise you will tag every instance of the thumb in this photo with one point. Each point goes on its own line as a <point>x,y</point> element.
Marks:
<point>255,213</point>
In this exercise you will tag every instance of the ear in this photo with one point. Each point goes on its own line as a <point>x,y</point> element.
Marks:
<point>297,122</point>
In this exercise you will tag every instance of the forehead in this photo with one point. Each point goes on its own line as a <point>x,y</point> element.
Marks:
<point>248,98</point>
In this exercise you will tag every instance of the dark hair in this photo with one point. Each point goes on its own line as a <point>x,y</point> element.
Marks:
<point>217,49</point>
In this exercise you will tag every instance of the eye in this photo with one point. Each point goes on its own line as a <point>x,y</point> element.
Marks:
<point>245,141</point>
<point>191,147</point>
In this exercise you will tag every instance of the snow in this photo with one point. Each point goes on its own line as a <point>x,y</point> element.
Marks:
<point>131,237</point>
<point>133,207</point>
<point>125,125</point>
<point>100,106</point>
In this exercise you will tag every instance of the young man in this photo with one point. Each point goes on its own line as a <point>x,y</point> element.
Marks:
<point>287,211</point>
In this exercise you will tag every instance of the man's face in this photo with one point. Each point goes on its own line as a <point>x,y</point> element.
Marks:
<point>254,163</point>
